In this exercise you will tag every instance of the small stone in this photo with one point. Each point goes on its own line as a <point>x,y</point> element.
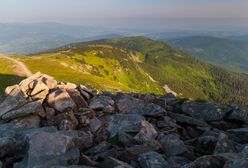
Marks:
<point>224,145</point>
<point>147,133</point>
<point>114,163</point>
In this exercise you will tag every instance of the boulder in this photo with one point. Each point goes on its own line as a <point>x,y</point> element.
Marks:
<point>130,105</point>
<point>205,111</point>
<point>77,98</point>
<point>240,134</point>
<point>147,133</point>
<point>60,100</point>
<point>237,163</point>
<point>57,149</point>
<point>32,121</point>
<point>172,145</point>
<point>28,109</point>
<point>14,100</point>
<point>180,118</point>
<point>130,123</point>
<point>152,160</point>
<point>38,90</point>
<point>102,103</point>
<point>224,145</point>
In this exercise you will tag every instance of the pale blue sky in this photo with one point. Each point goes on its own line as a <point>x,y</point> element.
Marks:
<point>67,10</point>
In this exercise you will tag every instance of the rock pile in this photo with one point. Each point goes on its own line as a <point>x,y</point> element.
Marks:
<point>50,124</point>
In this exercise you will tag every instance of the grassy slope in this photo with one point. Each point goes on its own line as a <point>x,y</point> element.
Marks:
<point>7,75</point>
<point>227,53</point>
<point>138,64</point>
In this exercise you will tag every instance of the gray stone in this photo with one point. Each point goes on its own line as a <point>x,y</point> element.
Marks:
<point>239,113</point>
<point>6,145</point>
<point>205,111</point>
<point>113,163</point>
<point>49,149</point>
<point>119,123</point>
<point>130,105</point>
<point>102,103</point>
<point>152,160</point>
<point>172,145</point>
<point>28,109</point>
<point>32,121</point>
<point>237,163</point>
<point>77,98</point>
<point>240,134</point>
<point>14,100</point>
<point>60,100</point>
<point>147,133</point>
<point>180,118</point>
<point>95,124</point>
<point>224,145</point>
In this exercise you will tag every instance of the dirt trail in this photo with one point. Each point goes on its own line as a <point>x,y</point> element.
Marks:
<point>22,68</point>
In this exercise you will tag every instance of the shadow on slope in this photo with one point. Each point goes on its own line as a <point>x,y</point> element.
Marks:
<point>8,80</point>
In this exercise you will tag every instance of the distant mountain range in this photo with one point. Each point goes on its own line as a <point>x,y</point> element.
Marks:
<point>135,64</point>
<point>231,53</point>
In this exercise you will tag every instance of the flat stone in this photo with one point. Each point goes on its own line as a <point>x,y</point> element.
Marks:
<point>240,134</point>
<point>130,105</point>
<point>205,111</point>
<point>152,160</point>
<point>15,99</point>
<point>31,121</point>
<point>180,118</point>
<point>57,149</point>
<point>28,109</point>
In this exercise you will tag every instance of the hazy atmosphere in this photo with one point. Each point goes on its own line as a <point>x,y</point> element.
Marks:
<point>130,13</point>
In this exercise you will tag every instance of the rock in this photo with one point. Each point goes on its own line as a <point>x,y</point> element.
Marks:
<point>49,81</point>
<point>60,100</point>
<point>167,123</point>
<point>85,160</point>
<point>95,124</point>
<point>9,89</point>
<point>172,145</point>
<point>152,160</point>
<point>85,140</point>
<point>6,145</point>
<point>85,92</point>
<point>50,115</point>
<point>224,145</point>
<point>180,118</point>
<point>205,111</point>
<point>126,139</point>
<point>207,161</point>
<point>119,123</point>
<point>206,144</point>
<point>240,134</point>
<point>130,105</point>
<point>177,161</point>
<point>28,109</point>
<point>15,99</point>
<point>114,163</point>
<point>57,149</point>
<point>237,163</point>
<point>239,113</point>
<point>66,86</point>
<point>102,103</point>
<point>39,90</point>
<point>77,98</point>
<point>24,84</point>
<point>98,148</point>
<point>147,133</point>
<point>66,121</point>
<point>32,121</point>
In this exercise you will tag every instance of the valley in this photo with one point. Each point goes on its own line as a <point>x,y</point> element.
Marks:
<point>138,64</point>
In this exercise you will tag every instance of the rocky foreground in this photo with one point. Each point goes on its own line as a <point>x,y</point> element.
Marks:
<point>50,124</point>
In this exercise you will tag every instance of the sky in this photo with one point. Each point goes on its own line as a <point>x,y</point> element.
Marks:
<point>114,12</point>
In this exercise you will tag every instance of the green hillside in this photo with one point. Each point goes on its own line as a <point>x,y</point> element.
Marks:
<point>138,64</point>
<point>228,53</point>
